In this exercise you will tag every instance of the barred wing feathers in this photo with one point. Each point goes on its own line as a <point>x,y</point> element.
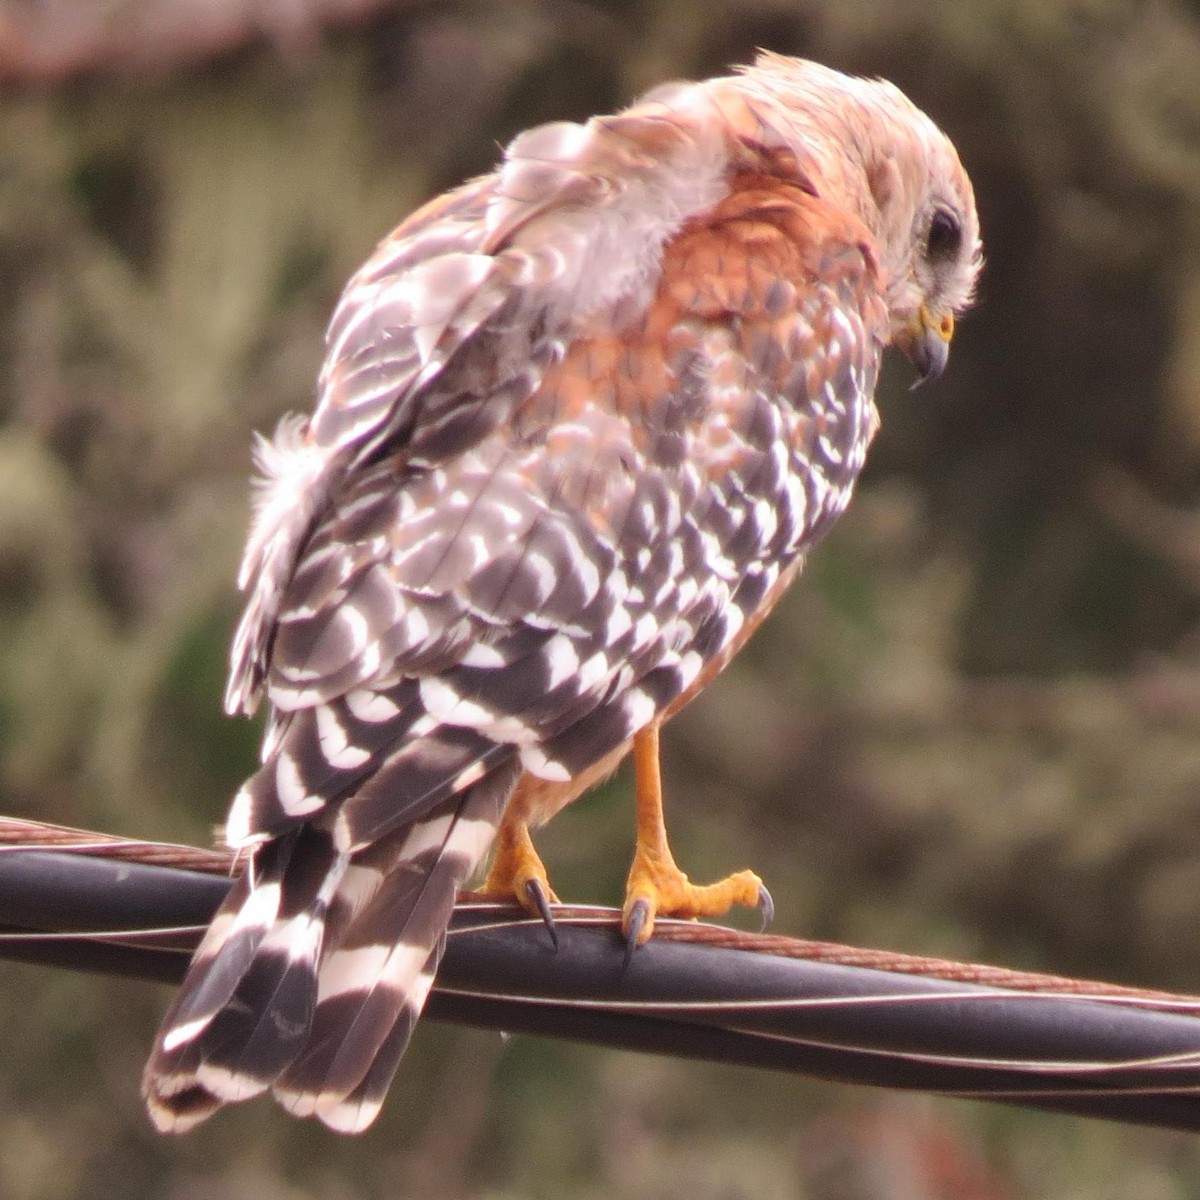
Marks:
<point>492,278</point>
<point>380,791</point>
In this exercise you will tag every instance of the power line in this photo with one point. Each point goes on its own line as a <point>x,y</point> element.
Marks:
<point>88,901</point>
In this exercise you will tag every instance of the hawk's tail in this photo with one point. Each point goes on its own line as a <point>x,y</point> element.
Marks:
<point>314,971</point>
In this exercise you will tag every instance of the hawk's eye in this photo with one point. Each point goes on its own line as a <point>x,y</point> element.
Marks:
<point>945,236</point>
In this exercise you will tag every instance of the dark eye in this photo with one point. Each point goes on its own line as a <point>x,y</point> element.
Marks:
<point>945,236</point>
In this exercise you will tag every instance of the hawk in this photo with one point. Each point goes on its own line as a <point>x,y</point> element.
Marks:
<point>579,423</point>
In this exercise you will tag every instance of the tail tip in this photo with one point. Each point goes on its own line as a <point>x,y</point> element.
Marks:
<point>178,1111</point>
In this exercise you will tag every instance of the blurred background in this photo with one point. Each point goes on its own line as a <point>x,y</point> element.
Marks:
<point>973,729</point>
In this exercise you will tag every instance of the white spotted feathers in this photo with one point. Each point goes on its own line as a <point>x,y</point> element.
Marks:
<point>578,424</point>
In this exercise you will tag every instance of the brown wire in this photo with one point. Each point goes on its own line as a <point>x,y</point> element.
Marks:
<point>911,964</point>
<point>40,835</point>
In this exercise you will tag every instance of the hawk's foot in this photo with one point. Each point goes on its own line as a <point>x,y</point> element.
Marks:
<point>656,885</point>
<point>659,888</point>
<point>517,873</point>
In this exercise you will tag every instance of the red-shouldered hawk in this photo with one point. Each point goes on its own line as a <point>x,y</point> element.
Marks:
<point>579,422</point>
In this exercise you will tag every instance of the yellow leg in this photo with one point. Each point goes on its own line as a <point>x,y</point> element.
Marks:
<point>656,885</point>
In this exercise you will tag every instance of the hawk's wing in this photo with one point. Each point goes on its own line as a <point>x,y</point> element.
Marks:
<point>438,340</point>
<point>449,325</point>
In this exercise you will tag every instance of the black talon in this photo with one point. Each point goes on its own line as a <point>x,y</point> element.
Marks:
<point>537,893</point>
<point>766,906</point>
<point>638,915</point>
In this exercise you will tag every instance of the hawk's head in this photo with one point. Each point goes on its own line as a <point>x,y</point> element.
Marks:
<point>863,145</point>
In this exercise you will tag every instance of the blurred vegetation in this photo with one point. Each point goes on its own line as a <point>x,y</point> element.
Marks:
<point>972,729</point>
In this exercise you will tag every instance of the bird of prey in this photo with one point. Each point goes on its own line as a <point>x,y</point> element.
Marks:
<point>579,423</point>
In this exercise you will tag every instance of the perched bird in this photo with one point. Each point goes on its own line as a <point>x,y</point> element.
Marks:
<point>579,423</point>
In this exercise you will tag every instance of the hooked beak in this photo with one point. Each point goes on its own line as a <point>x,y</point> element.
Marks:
<point>926,340</point>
